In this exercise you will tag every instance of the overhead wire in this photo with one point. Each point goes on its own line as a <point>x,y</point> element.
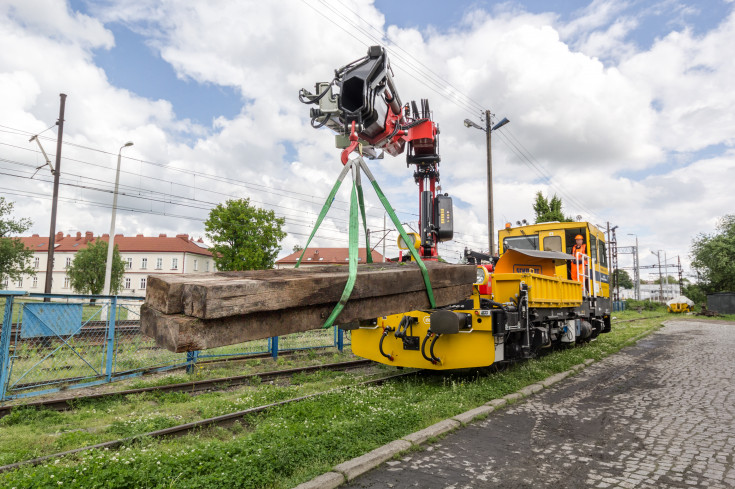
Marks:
<point>469,104</point>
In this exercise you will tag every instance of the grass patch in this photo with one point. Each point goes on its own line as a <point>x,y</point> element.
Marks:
<point>289,444</point>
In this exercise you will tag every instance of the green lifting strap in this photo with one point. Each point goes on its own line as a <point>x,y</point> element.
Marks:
<point>401,231</point>
<point>356,200</point>
<point>361,201</point>
<point>353,253</point>
<point>325,209</point>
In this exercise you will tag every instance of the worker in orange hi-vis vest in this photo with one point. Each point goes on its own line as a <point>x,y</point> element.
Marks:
<point>578,263</point>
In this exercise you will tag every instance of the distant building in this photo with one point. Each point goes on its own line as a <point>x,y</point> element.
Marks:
<point>142,256</point>
<point>325,256</point>
<point>652,292</point>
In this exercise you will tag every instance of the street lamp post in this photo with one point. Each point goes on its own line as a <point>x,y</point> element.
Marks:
<point>637,269</point>
<point>488,129</point>
<point>111,241</point>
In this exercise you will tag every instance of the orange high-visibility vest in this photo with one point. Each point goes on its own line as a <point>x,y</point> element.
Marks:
<point>578,268</point>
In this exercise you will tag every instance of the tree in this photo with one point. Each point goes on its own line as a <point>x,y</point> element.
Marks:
<point>549,210</point>
<point>669,279</point>
<point>297,247</point>
<point>244,236</point>
<point>695,293</point>
<point>624,279</point>
<point>713,257</point>
<point>15,258</point>
<point>87,271</point>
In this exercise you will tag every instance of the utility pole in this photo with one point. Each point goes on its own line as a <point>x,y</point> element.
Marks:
<point>637,272</point>
<point>678,259</point>
<point>384,223</point>
<point>660,277</point>
<point>612,244</point>
<point>490,216</point>
<point>490,213</point>
<point>111,240</point>
<point>666,271</point>
<point>55,200</point>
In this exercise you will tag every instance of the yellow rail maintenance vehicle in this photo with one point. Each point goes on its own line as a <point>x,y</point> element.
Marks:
<point>526,302</point>
<point>540,291</point>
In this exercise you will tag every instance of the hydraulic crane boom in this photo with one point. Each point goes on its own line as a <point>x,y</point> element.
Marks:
<point>362,101</point>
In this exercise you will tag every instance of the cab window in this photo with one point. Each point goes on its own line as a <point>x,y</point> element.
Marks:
<point>603,254</point>
<point>552,243</point>
<point>521,243</point>
<point>593,247</point>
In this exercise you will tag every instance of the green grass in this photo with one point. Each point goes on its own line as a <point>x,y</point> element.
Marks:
<point>276,449</point>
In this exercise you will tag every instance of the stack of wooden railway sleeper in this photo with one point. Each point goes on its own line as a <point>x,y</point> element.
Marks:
<point>200,311</point>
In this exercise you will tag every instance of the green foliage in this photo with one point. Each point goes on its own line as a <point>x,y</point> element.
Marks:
<point>297,247</point>
<point>695,293</point>
<point>244,236</point>
<point>549,210</point>
<point>624,279</point>
<point>15,258</point>
<point>713,257</point>
<point>669,279</point>
<point>87,270</point>
<point>632,305</point>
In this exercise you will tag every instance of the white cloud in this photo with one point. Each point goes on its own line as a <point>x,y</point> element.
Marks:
<point>588,125</point>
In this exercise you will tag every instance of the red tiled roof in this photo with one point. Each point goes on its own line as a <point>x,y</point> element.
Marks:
<point>140,243</point>
<point>327,255</point>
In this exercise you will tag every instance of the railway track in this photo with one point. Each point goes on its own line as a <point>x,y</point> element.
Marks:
<point>186,428</point>
<point>214,362</point>
<point>68,403</point>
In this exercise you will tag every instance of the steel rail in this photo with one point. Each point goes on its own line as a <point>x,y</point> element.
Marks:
<point>67,403</point>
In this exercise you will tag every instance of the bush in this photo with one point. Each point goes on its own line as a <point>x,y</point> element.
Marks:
<point>632,305</point>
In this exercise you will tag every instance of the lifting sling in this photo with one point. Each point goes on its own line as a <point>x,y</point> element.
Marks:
<point>354,166</point>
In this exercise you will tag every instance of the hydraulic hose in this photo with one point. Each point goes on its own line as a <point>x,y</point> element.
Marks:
<point>423,347</point>
<point>434,358</point>
<point>380,345</point>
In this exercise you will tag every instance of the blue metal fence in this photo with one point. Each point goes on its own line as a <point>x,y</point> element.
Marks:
<point>53,342</point>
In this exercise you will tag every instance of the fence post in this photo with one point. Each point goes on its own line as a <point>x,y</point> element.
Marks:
<point>340,339</point>
<point>274,347</point>
<point>5,344</point>
<point>111,318</point>
<point>191,361</point>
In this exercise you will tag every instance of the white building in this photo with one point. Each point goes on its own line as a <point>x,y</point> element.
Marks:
<point>142,256</point>
<point>652,292</point>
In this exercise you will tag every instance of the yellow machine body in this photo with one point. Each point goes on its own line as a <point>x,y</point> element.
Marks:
<point>523,270</point>
<point>471,348</point>
<point>559,237</point>
<point>545,288</point>
<point>679,307</point>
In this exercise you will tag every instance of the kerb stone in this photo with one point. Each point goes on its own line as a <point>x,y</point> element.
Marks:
<point>359,465</point>
<point>531,389</point>
<point>470,415</point>
<point>437,429</point>
<point>330,480</point>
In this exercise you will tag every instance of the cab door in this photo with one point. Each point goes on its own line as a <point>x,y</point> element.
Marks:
<point>553,240</point>
<point>602,273</point>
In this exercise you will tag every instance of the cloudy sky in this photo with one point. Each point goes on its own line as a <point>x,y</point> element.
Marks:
<point>625,109</point>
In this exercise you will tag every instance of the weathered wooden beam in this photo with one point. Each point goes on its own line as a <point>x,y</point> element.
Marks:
<point>236,296</point>
<point>223,294</point>
<point>179,333</point>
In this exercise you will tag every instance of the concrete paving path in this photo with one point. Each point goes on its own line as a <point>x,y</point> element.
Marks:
<point>659,414</point>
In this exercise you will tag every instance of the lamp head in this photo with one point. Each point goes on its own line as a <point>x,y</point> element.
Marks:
<point>467,123</point>
<point>129,143</point>
<point>500,124</point>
